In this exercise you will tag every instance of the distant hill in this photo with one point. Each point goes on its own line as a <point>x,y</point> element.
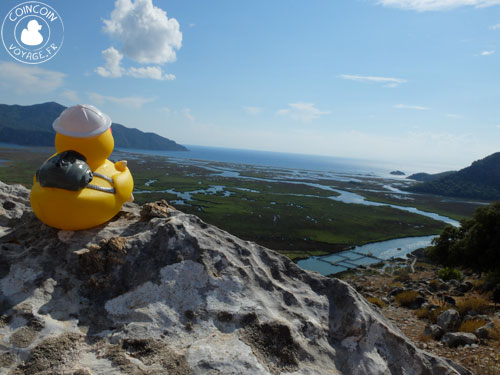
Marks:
<point>424,177</point>
<point>481,180</point>
<point>32,126</point>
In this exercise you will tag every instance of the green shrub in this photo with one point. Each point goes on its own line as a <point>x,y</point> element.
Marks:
<point>449,274</point>
<point>475,244</point>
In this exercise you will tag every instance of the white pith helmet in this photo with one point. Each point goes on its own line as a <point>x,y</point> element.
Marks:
<point>82,121</point>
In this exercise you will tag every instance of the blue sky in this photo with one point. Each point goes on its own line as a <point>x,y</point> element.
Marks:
<point>415,81</point>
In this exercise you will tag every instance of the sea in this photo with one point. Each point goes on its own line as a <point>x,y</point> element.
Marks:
<point>337,164</point>
<point>341,165</point>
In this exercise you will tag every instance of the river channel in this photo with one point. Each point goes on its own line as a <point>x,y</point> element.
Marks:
<point>360,255</point>
<point>331,264</point>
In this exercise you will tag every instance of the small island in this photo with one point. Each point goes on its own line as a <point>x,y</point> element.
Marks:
<point>398,173</point>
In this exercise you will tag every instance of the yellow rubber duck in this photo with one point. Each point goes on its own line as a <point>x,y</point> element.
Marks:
<point>83,132</point>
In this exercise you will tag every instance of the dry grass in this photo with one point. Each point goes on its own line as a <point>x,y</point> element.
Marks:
<point>477,304</point>
<point>470,326</point>
<point>402,275</point>
<point>395,285</point>
<point>424,338</point>
<point>495,332</point>
<point>430,315</point>
<point>377,301</point>
<point>424,266</point>
<point>406,298</point>
<point>433,285</point>
<point>478,284</point>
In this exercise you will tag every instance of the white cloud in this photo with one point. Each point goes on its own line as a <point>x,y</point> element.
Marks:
<point>300,111</point>
<point>131,102</point>
<point>28,79</point>
<point>416,107</point>
<point>386,81</point>
<point>145,32</point>
<point>153,72</point>
<point>495,27</point>
<point>192,25</point>
<point>187,114</point>
<point>146,35</point>
<point>113,68</point>
<point>429,5</point>
<point>165,110</point>
<point>71,95</point>
<point>453,115</point>
<point>487,53</point>
<point>253,111</point>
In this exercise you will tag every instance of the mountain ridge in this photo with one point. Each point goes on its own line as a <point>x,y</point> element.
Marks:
<point>480,180</point>
<point>424,177</point>
<point>32,126</point>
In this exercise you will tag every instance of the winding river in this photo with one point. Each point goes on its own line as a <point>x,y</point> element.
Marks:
<point>360,255</point>
<point>344,196</point>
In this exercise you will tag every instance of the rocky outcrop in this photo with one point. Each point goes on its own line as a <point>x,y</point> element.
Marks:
<point>449,320</point>
<point>156,291</point>
<point>434,331</point>
<point>454,339</point>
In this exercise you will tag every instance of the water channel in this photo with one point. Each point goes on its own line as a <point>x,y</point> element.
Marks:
<point>360,255</point>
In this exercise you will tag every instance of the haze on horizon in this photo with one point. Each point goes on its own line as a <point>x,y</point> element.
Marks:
<point>407,80</point>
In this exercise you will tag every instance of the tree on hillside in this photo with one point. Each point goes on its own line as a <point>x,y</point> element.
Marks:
<point>475,244</point>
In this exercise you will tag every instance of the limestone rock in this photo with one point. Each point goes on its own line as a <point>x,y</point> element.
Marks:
<point>443,286</point>
<point>465,286</point>
<point>434,331</point>
<point>454,283</point>
<point>13,200</point>
<point>162,292</point>
<point>449,320</point>
<point>485,331</point>
<point>450,300</point>
<point>454,339</point>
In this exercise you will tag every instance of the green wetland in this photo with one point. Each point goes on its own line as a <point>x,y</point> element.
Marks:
<point>299,213</point>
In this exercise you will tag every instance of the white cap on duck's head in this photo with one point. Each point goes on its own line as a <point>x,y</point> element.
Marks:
<point>82,121</point>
